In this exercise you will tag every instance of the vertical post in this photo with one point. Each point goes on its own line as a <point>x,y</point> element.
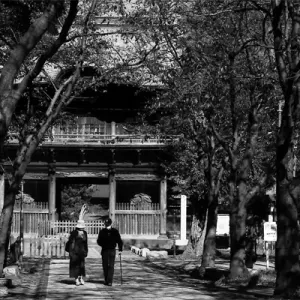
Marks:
<point>183,217</point>
<point>295,155</point>
<point>280,105</point>
<point>112,195</point>
<point>2,191</point>
<point>183,204</point>
<point>174,236</point>
<point>22,220</point>
<point>113,129</point>
<point>163,208</point>
<point>267,255</point>
<point>52,196</point>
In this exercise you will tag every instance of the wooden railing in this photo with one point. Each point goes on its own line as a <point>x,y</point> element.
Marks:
<point>52,247</point>
<point>34,206</point>
<point>34,222</point>
<point>94,134</point>
<point>139,206</point>
<point>39,225</point>
<point>140,219</point>
<point>91,227</point>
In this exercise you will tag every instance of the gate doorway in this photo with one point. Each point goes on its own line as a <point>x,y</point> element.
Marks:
<point>72,193</point>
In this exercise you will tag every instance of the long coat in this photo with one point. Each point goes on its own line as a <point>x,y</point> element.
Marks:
<point>77,246</point>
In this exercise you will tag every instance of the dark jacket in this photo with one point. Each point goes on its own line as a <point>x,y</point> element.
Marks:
<point>109,238</point>
<point>77,245</point>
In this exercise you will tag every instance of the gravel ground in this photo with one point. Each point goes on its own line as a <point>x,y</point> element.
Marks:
<point>32,281</point>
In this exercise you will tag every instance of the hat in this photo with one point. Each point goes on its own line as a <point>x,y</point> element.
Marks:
<point>107,222</point>
<point>80,224</point>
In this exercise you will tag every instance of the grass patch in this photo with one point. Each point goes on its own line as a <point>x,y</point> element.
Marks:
<point>267,278</point>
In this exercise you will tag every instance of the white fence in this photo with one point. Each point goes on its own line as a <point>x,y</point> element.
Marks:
<point>42,227</point>
<point>59,227</point>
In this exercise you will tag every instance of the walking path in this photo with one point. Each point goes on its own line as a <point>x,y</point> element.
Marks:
<point>140,280</point>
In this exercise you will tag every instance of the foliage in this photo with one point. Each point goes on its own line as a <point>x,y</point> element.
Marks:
<point>26,198</point>
<point>72,198</point>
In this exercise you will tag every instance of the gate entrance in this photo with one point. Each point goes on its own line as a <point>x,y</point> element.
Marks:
<point>72,193</point>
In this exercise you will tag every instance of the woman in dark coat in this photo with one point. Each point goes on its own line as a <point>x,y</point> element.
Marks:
<point>77,246</point>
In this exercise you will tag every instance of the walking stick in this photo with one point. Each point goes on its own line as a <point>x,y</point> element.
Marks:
<point>121,266</point>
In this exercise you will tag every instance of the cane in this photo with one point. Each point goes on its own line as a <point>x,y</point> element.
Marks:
<point>120,266</point>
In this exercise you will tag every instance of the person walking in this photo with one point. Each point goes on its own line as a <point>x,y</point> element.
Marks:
<point>77,246</point>
<point>107,239</point>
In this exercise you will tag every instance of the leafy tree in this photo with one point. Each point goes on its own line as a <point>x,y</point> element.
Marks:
<point>61,34</point>
<point>182,66</point>
<point>72,199</point>
<point>284,19</point>
<point>25,55</point>
<point>213,68</point>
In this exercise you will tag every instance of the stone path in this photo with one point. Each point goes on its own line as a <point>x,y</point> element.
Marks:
<point>139,281</point>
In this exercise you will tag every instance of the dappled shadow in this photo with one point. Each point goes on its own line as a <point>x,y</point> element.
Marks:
<point>67,281</point>
<point>207,285</point>
<point>142,279</point>
<point>95,281</point>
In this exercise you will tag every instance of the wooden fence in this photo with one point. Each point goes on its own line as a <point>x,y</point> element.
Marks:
<point>34,222</point>
<point>61,227</point>
<point>41,226</point>
<point>34,206</point>
<point>53,246</point>
<point>139,219</point>
<point>130,219</point>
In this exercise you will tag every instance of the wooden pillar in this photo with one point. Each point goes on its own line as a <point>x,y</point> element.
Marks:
<point>2,192</point>
<point>183,241</point>
<point>52,196</point>
<point>113,128</point>
<point>163,208</point>
<point>112,195</point>
<point>183,217</point>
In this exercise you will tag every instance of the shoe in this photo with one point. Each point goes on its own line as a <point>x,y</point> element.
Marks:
<point>81,280</point>
<point>109,284</point>
<point>77,282</point>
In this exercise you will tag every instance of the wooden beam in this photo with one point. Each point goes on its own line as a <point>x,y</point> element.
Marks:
<point>113,156</point>
<point>146,177</point>
<point>51,169</point>
<point>138,160</point>
<point>81,174</point>
<point>36,176</point>
<point>51,155</point>
<point>82,157</point>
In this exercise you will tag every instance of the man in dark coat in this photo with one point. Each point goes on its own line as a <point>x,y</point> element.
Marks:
<point>77,246</point>
<point>107,239</point>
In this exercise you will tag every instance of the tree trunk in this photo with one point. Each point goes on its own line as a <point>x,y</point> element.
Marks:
<point>5,223</point>
<point>286,30</point>
<point>287,246</point>
<point>195,244</point>
<point>209,252</point>
<point>238,218</point>
<point>9,95</point>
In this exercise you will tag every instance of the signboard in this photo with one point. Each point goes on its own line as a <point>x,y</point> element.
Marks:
<point>270,231</point>
<point>223,225</point>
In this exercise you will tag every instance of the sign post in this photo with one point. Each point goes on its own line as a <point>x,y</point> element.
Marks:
<point>270,235</point>
<point>183,204</point>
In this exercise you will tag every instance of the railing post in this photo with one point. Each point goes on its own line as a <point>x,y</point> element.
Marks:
<point>2,181</point>
<point>112,195</point>
<point>163,208</point>
<point>113,129</point>
<point>52,196</point>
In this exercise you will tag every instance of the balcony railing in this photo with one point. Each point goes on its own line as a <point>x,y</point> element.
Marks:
<point>94,135</point>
